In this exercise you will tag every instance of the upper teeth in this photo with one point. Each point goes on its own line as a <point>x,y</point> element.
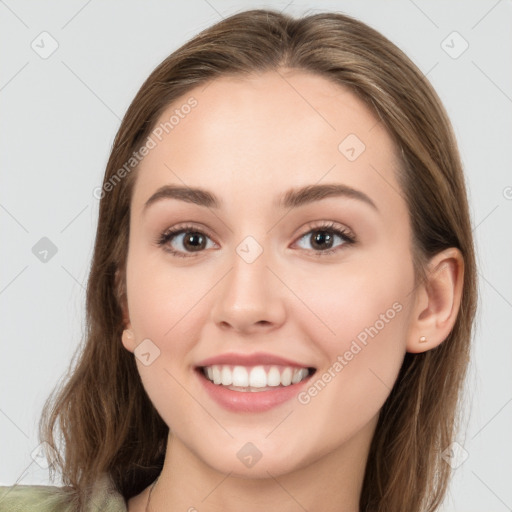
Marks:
<point>255,376</point>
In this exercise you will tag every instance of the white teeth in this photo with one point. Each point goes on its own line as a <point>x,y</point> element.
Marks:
<point>258,377</point>
<point>226,377</point>
<point>298,375</point>
<point>273,377</point>
<point>286,377</point>
<point>217,379</point>
<point>240,376</point>
<point>255,378</point>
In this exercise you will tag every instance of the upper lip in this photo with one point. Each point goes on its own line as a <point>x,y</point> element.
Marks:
<point>259,358</point>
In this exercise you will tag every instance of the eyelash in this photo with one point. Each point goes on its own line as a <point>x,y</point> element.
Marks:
<point>347,236</point>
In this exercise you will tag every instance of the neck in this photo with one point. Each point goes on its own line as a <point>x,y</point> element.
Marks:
<point>331,483</point>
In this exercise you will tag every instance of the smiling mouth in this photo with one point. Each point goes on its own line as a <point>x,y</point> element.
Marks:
<point>255,378</point>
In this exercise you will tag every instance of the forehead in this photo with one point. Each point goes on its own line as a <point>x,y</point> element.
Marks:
<point>268,132</point>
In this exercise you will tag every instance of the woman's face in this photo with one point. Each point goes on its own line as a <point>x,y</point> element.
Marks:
<point>294,255</point>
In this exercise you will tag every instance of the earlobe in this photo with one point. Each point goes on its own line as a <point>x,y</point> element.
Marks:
<point>437,301</point>
<point>128,339</point>
<point>126,315</point>
<point>128,336</point>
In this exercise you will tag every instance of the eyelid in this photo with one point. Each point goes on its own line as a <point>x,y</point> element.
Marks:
<point>327,226</point>
<point>184,226</point>
<point>340,230</point>
<point>163,238</point>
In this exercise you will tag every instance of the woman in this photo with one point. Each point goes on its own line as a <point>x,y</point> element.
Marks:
<point>282,292</point>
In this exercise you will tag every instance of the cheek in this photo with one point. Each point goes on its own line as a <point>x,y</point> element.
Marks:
<point>161,301</point>
<point>347,301</point>
<point>365,317</point>
<point>164,308</point>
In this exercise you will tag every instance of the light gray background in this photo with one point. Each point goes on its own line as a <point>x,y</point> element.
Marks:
<point>58,119</point>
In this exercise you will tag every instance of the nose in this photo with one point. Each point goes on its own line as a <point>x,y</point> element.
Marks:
<point>249,299</point>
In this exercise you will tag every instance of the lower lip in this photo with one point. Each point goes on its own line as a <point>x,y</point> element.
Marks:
<point>249,401</point>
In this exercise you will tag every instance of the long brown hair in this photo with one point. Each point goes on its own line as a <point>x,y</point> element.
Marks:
<point>102,413</point>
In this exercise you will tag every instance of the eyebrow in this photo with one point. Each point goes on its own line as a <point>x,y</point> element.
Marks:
<point>311,193</point>
<point>293,198</point>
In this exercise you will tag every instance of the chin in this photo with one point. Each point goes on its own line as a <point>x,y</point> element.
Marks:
<point>248,460</point>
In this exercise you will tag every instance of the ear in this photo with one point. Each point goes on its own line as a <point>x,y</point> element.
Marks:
<point>437,301</point>
<point>120,293</point>
<point>128,337</point>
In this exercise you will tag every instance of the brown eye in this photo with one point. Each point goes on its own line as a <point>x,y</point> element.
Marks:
<point>326,239</point>
<point>184,241</point>
<point>322,240</point>
<point>194,241</point>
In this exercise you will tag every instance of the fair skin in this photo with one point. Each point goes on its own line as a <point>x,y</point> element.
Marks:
<point>248,142</point>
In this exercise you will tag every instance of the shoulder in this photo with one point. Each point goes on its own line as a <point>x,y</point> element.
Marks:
<point>28,498</point>
<point>49,498</point>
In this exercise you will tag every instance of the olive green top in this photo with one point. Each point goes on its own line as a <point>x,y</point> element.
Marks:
<point>49,498</point>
